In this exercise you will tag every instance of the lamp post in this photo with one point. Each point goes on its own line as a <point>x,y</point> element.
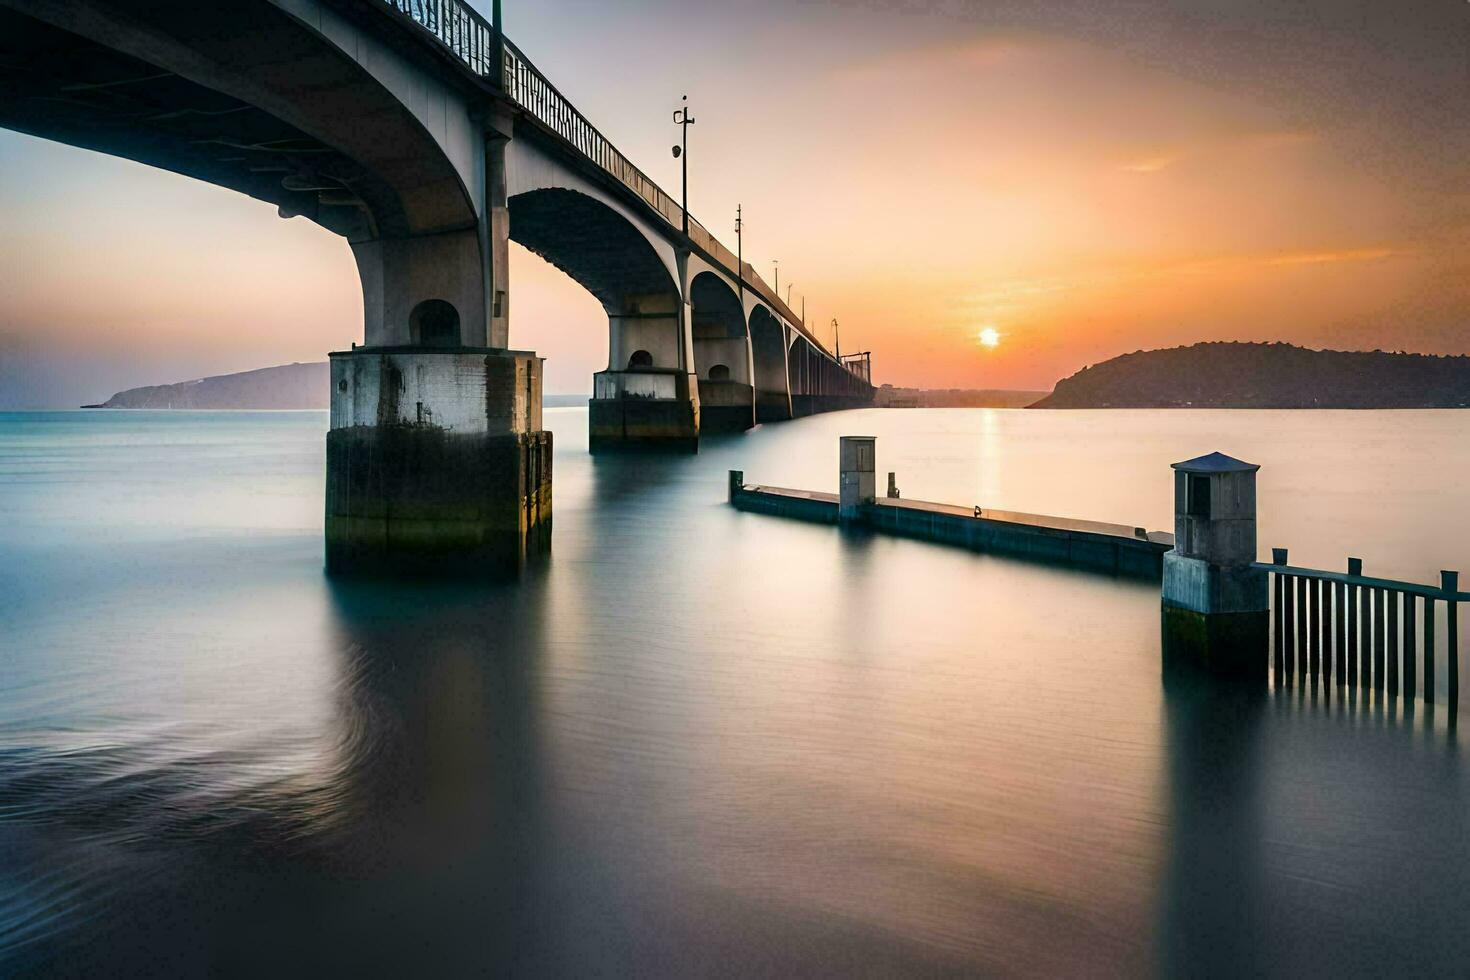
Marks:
<point>837,340</point>
<point>740,255</point>
<point>684,120</point>
<point>776,264</point>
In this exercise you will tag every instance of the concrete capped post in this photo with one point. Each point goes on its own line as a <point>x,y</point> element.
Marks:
<point>1216,606</point>
<point>857,477</point>
<point>892,485</point>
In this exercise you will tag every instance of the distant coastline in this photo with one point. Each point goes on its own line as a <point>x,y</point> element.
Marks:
<point>1250,375</point>
<point>889,396</point>
<point>288,387</point>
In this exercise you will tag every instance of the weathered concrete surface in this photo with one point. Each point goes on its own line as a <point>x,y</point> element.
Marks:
<point>436,462</point>
<point>643,411</point>
<point>638,424</point>
<point>1227,645</point>
<point>725,406</point>
<point>418,500</point>
<point>803,405</point>
<point>772,406</point>
<point>1054,540</point>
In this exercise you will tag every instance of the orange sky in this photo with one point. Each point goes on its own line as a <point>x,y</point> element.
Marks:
<point>1084,182</point>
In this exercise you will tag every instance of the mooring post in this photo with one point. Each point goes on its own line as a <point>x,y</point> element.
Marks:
<point>857,482</point>
<point>1340,640</point>
<point>1410,652</point>
<point>1429,649</point>
<point>1450,583</point>
<point>1355,569</point>
<point>1394,601</point>
<point>892,485</point>
<point>737,483</point>
<point>1216,603</point>
<point>1278,558</point>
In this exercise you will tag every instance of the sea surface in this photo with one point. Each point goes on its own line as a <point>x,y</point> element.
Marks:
<point>701,742</point>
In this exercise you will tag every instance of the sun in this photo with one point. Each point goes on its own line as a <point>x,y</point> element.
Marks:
<point>989,337</point>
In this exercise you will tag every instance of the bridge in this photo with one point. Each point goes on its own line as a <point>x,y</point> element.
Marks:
<point>416,130</point>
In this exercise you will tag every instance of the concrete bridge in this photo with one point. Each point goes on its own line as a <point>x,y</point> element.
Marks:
<point>417,131</point>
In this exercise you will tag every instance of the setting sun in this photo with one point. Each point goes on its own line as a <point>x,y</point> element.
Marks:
<point>989,337</point>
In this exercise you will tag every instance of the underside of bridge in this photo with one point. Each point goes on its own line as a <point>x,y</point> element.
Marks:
<point>768,352</point>
<point>721,355</point>
<point>645,398</point>
<point>245,96</point>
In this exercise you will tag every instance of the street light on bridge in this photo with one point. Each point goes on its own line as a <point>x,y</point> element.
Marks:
<point>740,254</point>
<point>684,120</point>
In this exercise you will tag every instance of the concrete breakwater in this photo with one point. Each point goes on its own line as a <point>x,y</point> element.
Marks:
<point>1061,540</point>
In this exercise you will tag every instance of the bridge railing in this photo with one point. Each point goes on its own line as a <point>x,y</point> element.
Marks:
<point>473,40</point>
<point>1363,632</point>
<point>457,26</point>
<point>532,91</point>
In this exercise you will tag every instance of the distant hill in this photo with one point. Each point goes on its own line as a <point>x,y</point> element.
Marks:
<point>290,386</point>
<point>890,397</point>
<point>1236,375</point>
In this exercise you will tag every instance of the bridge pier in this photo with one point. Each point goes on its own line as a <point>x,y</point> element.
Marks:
<point>436,462</point>
<point>647,399</point>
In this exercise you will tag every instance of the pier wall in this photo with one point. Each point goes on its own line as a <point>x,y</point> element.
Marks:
<point>1056,540</point>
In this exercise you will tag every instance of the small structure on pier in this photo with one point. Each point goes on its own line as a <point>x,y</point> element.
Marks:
<point>857,478</point>
<point>1216,604</point>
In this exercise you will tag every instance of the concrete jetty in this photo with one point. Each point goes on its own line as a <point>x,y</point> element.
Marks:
<point>1058,540</point>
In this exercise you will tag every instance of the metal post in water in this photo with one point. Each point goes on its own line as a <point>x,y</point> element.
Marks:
<point>1339,643</point>
<point>1314,627</point>
<point>1394,598</point>
<point>1355,567</point>
<point>1450,583</point>
<point>1410,653</point>
<point>1303,642</point>
<point>1365,629</point>
<point>1278,616</point>
<point>1429,650</point>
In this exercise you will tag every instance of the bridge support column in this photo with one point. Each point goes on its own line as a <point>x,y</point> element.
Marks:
<point>436,462</point>
<point>648,399</point>
<point>1216,605</point>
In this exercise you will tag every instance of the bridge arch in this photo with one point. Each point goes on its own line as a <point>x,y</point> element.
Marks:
<point>718,324</point>
<point>768,355</point>
<point>606,254</point>
<point>316,115</point>
<point>721,341</point>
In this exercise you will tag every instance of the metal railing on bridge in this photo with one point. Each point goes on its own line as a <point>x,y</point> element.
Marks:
<point>1364,632</point>
<point>473,40</point>
<point>458,27</point>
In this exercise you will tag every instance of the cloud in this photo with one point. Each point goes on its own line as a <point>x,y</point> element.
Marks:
<point>1340,255</point>
<point>1149,165</point>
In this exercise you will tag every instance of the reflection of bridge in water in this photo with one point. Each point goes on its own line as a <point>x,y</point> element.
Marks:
<point>414,129</point>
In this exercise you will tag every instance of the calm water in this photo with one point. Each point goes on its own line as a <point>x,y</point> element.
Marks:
<point>698,741</point>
